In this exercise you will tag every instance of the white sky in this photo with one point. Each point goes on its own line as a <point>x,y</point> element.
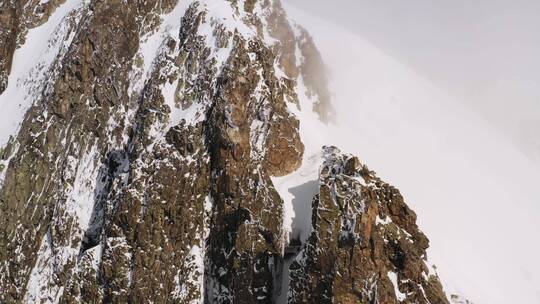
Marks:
<point>403,81</point>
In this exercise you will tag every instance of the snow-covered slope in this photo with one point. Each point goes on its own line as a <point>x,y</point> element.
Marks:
<point>475,194</point>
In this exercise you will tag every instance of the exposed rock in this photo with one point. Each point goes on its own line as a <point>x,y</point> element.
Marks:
<point>365,246</point>
<point>142,169</point>
<point>8,40</point>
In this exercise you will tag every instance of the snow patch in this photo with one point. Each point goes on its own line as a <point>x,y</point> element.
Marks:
<point>81,197</point>
<point>151,43</point>
<point>191,115</point>
<point>314,136</point>
<point>394,279</point>
<point>387,220</point>
<point>194,277</point>
<point>43,271</point>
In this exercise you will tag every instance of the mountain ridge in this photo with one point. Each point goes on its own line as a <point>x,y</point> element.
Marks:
<point>143,166</point>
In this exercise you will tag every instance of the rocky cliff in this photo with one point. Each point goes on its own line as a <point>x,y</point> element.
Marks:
<point>139,145</point>
<point>364,246</point>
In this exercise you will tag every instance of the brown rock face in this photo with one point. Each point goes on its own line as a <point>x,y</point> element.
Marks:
<point>365,246</point>
<point>8,40</point>
<point>142,169</point>
<point>16,18</point>
<point>139,178</point>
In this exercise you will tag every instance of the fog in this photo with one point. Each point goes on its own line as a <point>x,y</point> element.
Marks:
<point>441,100</point>
<point>485,52</point>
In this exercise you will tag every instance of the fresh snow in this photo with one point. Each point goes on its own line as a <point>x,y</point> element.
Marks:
<point>298,188</point>
<point>81,195</point>
<point>387,220</point>
<point>195,276</point>
<point>79,206</point>
<point>394,279</point>
<point>224,12</point>
<point>40,276</point>
<point>192,115</point>
<point>170,24</point>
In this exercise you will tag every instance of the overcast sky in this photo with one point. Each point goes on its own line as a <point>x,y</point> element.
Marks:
<point>483,52</point>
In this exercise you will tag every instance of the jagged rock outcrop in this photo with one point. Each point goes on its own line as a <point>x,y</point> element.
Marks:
<point>365,246</point>
<point>141,166</point>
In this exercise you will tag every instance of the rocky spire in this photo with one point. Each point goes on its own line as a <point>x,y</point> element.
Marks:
<point>365,246</point>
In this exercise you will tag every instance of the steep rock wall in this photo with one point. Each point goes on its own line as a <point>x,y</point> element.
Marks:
<point>141,168</point>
